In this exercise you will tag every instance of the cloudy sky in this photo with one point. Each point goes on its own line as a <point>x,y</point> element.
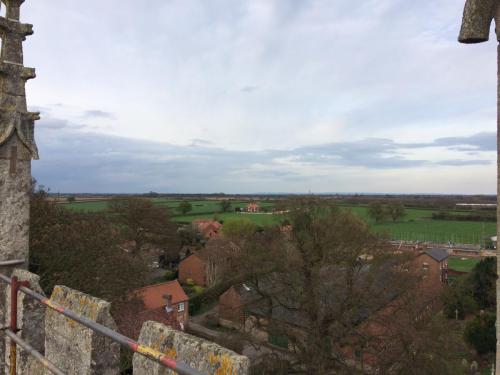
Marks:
<point>243,96</point>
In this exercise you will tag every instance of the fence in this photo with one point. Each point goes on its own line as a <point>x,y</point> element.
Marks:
<point>23,286</point>
<point>474,239</point>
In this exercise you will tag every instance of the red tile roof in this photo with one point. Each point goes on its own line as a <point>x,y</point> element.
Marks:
<point>131,319</point>
<point>209,228</point>
<point>202,223</point>
<point>153,296</point>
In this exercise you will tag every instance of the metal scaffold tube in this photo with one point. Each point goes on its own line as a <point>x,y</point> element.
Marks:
<point>155,355</point>
<point>39,357</point>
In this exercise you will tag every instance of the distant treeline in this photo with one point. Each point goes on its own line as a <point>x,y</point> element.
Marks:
<point>476,216</point>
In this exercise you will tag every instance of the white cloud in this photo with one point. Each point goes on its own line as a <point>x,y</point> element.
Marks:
<point>266,75</point>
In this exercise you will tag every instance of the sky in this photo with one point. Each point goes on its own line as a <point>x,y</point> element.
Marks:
<point>254,96</point>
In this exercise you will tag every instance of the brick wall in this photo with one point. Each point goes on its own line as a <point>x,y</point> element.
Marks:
<point>192,268</point>
<point>231,307</point>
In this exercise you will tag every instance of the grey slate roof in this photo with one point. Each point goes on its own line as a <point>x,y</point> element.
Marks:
<point>437,254</point>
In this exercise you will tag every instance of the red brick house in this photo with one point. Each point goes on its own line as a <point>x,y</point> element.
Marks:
<point>207,228</point>
<point>206,266</point>
<point>192,268</point>
<point>242,305</point>
<point>431,267</point>
<point>434,266</point>
<point>232,304</point>
<point>253,207</point>
<point>168,296</point>
<point>166,303</point>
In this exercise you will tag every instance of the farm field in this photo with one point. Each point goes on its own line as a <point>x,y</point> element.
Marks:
<point>462,232</point>
<point>203,206</point>
<point>416,225</point>
<point>95,206</point>
<point>199,206</point>
<point>259,219</point>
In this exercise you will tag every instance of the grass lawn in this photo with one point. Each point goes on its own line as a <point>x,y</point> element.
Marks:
<point>462,264</point>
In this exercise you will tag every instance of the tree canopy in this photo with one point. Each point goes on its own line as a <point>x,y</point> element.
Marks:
<point>238,229</point>
<point>80,250</point>
<point>141,221</point>
<point>377,211</point>
<point>322,286</point>
<point>184,207</point>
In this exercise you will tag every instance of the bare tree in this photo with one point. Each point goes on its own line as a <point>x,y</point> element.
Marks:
<point>328,290</point>
<point>80,250</point>
<point>140,221</point>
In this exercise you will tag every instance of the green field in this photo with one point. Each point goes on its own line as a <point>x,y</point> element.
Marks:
<point>199,206</point>
<point>416,225</point>
<point>86,206</point>
<point>462,264</point>
<point>258,219</point>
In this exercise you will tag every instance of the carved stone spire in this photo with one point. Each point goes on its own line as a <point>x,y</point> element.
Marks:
<point>14,116</point>
<point>17,144</point>
<point>476,25</point>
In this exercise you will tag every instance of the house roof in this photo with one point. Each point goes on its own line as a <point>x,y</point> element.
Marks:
<point>437,254</point>
<point>202,224</point>
<point>153,296</point>
<point>281,306</point>
<point>130,320</point>
<point>207,228</point>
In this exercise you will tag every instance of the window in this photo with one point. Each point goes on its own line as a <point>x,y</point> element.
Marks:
<point>181,307</point>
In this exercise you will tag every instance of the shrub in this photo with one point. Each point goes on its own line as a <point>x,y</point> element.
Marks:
<point>194,304</point>
<point>480,333</point>
<point>170,275</point>
<point>198,289</point>
<point>458,302</point>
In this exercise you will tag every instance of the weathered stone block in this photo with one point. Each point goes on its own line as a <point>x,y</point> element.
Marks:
<point>30,320</point>
<point>74,348</point>
<point>205,356</point>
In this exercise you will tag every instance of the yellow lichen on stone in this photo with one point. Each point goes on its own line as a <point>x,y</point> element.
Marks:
<point>171,352</point>
<point>224,363</point>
